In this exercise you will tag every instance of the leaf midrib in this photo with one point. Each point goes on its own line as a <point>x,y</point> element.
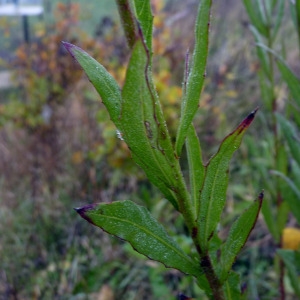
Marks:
<point>175,249</point>
<point>208,216</point>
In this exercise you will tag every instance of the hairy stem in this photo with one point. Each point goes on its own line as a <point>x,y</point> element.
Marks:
<point>128,21</point>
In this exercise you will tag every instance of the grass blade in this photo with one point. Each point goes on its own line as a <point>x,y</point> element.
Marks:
<point>254,16</point>
<point>278,21</point>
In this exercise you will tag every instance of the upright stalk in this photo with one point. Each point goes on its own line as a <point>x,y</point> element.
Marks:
<point>277,145</point>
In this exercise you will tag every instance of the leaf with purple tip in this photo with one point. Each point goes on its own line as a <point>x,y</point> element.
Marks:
<point>134,224</point>
<point>213,194</point>
<point>103,82</point>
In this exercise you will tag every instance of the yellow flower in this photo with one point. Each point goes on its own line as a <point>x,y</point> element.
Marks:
<point>291,238</point>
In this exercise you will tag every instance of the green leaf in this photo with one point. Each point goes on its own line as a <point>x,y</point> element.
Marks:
<point>292,262</point>
<point>128,21</point>
<point>145,18</point>
<point>237,237</point>
<point>261,11</point>
<point>213,194</point>
<point>295,172</point>
<point>204,285</point>
<point>136,15</point>
<point>291,80</point>
<point>134,224</point>
<point>295,12</point>
<point>268,6</point>
<point>279,18</point>
<point>144,127</point>
<point>231,287</point>
<point>196,167</point>
<point>103,82</point>
<point>294,199</point>
<point>255,17</point>
<point>196,76</point>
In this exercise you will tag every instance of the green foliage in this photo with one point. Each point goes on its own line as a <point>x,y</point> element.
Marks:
<point>238,236</point>
<point>213,192</point>
<point>137,114</point>
<point>79,157</point>
<point>292,262</point>
<point>196,167</point>
<point>266,18</point>
<point>135,224</point>
<point>196,74</point>
<point>103,82</point>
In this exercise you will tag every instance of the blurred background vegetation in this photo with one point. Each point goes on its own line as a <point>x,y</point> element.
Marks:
<point>59,150</point>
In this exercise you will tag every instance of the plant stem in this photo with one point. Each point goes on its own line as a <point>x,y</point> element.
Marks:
<point>212,278</point>
<point>186,207</point>
<point>207,266</point>
<point>128,21</point>
<point>277,145</point>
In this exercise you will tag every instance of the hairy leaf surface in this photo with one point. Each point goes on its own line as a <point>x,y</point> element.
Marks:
<point>238,236</point>
<point>134,224</point>
<point>196,75</point>
<point>196,167</point>
<point>144,127</point>
<point>103,82</point>
<point>213,194</point>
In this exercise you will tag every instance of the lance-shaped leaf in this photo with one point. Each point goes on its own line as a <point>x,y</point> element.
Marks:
<point>255,17</point>
<point>279,17</point>
<point>103,82</point>
<point>196,76</point>
<point>295,12</point>
<point>213,194</point>
<point>196,167</point>
<point>145,18</point>
<point>132,11</point>
<point>134,224</point>
<point>144,127</point>
<point>232,288</point>
<point>128,21</point>
<point>237,237</point>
